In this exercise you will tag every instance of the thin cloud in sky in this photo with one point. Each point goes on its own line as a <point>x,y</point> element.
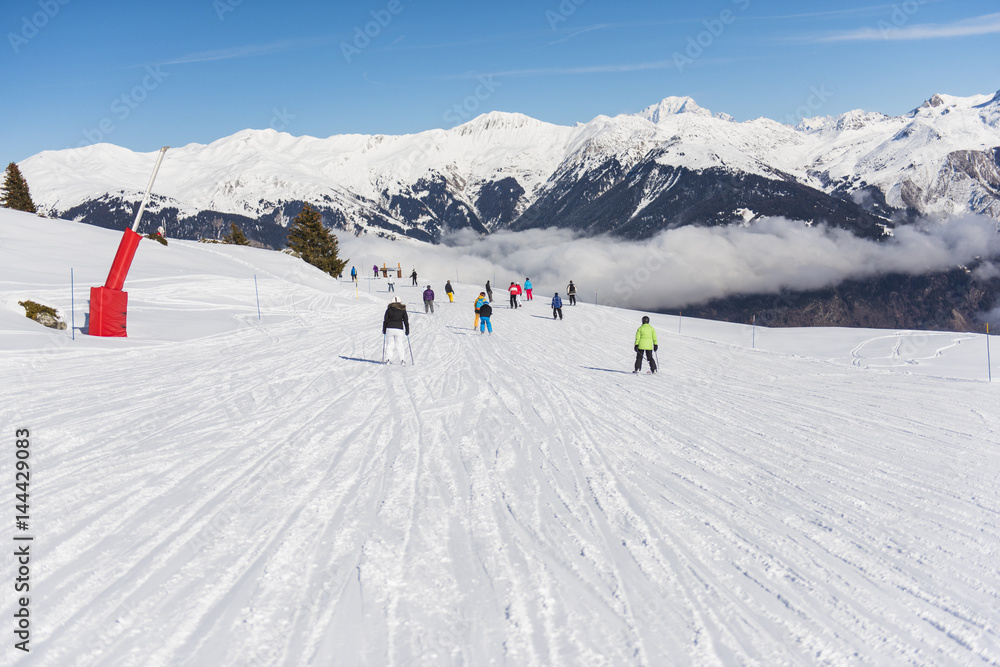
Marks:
<point>886,30</point>
<point>563,34</point>
<point>852,11</point>
<point>590,69</point>
<point>488,39</point>
<point>579,32</point>
<point>245,51</point>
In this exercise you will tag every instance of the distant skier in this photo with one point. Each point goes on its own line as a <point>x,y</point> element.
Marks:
<point>645,342</point>
<point>480,300</point>
<point>391,283</point>
<point>395,328</point>
<point>414,276</point>
<point>514,291</point>
<point>354,275</point>
<point>449,291</point>
<point>527,289</point>
<point>556,306</point>
<point>375,269</point>
<point>571,292</point>
<point>485,312</point>
<point>489,292</point>
<point>429,300</point>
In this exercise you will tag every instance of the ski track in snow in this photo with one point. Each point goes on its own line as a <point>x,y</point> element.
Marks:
<point>270,496</point>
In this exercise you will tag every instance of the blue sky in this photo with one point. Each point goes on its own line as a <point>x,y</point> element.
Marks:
<point>143,75</point>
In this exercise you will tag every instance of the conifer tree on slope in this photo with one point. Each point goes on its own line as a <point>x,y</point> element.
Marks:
<point>14,193</point>
<point>235,236</point>
<point>314,242</point>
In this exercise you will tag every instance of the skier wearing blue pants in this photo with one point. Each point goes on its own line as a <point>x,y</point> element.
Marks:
<point>485,311</point>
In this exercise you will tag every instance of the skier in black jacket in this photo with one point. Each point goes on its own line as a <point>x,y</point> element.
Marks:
<point>485,312</point>
<point>395,328</point>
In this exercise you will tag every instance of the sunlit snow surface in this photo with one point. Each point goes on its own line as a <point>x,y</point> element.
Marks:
<point>219,489</point>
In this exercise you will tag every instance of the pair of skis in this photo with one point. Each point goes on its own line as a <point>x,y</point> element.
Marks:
<point>657,355</point>
<point>407,345</point>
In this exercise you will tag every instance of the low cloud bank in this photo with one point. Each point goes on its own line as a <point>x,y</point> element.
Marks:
<point>686,266</point>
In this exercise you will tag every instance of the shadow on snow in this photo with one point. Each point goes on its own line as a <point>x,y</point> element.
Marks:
<point>606,370</point>
<point>367,361</point>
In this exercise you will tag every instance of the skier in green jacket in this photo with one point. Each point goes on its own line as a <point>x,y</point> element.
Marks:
<point>645,341</point>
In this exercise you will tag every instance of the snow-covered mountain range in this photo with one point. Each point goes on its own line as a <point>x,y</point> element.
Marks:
<point>672,164</point>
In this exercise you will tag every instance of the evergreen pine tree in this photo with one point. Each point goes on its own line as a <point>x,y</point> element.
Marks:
<point>14,193</point>
<point>235,236</point>
<point>314,242</point>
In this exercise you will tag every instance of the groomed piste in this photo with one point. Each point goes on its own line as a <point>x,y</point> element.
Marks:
<point>223,489</point>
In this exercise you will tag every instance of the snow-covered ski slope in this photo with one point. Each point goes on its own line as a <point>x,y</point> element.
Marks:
<point>222,490</point>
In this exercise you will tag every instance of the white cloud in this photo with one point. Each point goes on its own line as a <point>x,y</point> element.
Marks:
<point>245,51</point>
<point>587,69</point>
<point>684,266</point>
<point>980,25</point>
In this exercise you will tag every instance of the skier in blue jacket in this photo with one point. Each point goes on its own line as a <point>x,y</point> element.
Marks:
<point>556,306</point>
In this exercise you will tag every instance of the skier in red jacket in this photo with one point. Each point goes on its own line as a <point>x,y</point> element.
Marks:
<point>514,290</point>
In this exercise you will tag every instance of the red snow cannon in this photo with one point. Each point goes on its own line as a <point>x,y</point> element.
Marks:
<point>109,304</point>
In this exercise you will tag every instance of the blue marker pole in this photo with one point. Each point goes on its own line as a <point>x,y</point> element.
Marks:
<point>989,367</point>
<point>755,331</point>
<point>257,292</point>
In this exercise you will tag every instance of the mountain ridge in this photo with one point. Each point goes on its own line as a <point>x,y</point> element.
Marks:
<point>860,170</point>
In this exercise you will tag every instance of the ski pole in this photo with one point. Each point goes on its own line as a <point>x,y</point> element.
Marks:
<point>257,292</point>
<point>412,363</point>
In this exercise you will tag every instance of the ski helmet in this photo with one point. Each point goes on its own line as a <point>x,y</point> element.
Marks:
<point>645,319</point>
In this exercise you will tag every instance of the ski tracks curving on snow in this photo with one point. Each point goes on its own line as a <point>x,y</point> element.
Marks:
<point>273,495</point>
